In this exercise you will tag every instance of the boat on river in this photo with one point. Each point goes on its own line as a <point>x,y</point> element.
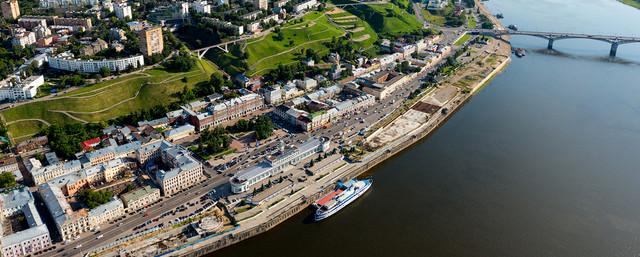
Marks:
<point>344,194</point>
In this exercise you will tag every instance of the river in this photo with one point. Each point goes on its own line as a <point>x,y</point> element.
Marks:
<point>543,162</point>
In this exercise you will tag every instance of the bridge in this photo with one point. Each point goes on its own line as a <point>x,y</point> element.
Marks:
<point>222,46</point>
<point>551,37</point>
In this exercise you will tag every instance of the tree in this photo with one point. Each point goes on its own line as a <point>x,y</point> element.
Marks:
<point>94,198</point>
<point>105,72</point>
<point>7,180</point>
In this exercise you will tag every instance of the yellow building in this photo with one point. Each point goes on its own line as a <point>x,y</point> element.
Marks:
<point>10,9</point>
<point>151,41</point>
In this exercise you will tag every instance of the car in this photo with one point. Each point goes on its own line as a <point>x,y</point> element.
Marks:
<point>100,236</point>
<point>78,246</point>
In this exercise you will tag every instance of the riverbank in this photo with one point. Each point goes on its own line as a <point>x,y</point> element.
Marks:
<point>632,3</point>
<point>301,200</point>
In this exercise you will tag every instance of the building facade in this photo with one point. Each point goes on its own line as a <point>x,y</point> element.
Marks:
<point>231,109</point>
<point>10,9</point>
<point>65,61</point>
<point>185,171</point>
<point>151,41</point>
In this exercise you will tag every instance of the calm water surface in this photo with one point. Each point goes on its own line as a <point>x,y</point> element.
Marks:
<point>543,162</point>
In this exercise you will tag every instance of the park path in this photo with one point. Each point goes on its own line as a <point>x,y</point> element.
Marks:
<point>70,116</point>
<point>21,120</point>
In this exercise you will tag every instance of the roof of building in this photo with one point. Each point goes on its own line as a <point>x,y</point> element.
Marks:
<point>101,152</point>
<point>16,198</point>
<point>138,194</point>
<point>114,204</point>
<point>180,130</point>
<point>90,143</point>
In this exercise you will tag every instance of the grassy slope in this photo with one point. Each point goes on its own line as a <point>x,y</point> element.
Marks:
<point>154,89</point>
<point>265,53</point>
<point>387,18</point>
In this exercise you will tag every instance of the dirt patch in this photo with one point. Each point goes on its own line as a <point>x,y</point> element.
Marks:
<point>335,11</point>
<point>357,29</point>
<point>362,38</point>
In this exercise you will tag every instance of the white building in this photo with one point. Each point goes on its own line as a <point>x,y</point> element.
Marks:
<point>238,30</point>
<point>185,171</point>
<point>245,179</point>
<point>201,7</point>
<point>16,88</point>
<point>65,61</point>
<point>66,3</point>
<point>31,240</point>
<point>105,213</point>
<point>305,6</point>
<point>123,11</point>
<point>23,39</point>
<point>69,223</point>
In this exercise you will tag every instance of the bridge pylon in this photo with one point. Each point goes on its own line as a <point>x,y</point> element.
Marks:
<point>550,44</point>
<point>614,49</point>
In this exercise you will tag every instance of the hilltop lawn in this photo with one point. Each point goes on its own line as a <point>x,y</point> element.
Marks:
<point>105,100</point>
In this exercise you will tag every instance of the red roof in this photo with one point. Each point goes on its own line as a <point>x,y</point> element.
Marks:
<point>86,145</point>
<point>328,197</point>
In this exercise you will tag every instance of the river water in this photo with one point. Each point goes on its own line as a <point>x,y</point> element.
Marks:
<point>543,162</point>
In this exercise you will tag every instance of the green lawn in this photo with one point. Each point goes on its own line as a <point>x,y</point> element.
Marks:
<point>471,22</point>
<point>312,31</point>
<point>387,19</point>
<point>106,100</point>
<point>433,18</point>
<point>462,40</point>
<point>266,52</point>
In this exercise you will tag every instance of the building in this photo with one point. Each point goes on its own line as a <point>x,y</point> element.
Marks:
<point>32,144</point>
<point>50,172</point>
<point>105,213</point>
<point>216,114</point>
<point>307,84</point>
<point>23,39</point>
<point>65,61</point>
<point>245,179</point>
<point>305,6</point>
<point>101,155</point>
<point>151,41</point>
<point>436,4</point>
<point>201,7</point>
<point>273,95</point>
<point>94,47</point>
<point>179,133</point>
<point>66,3</point>
<point>16,88</point>
<point>151,150</point>
<point>383,83</point>
<point>32,22</point>
<point>41,32</point>
<point>73,22</point>
<point>237,30</point>
<point>140,198</point>
<point>261,4</point>
<point>10,164</point>
<point>184,9</point>
<point>35,237</point>
<point>68,223</point>
<point>123,11</point>
<point>10,9</point>
<point>183,170</point>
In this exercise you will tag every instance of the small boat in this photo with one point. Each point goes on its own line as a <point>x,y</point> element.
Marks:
<point>499,16</point>
<point>520,52</point>
<point>344,194</point>
<point>513,27</point>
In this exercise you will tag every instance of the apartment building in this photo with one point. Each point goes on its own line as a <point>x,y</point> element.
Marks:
<point>106,213</point>
<point>10,9</point>
<point>151,41</point>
